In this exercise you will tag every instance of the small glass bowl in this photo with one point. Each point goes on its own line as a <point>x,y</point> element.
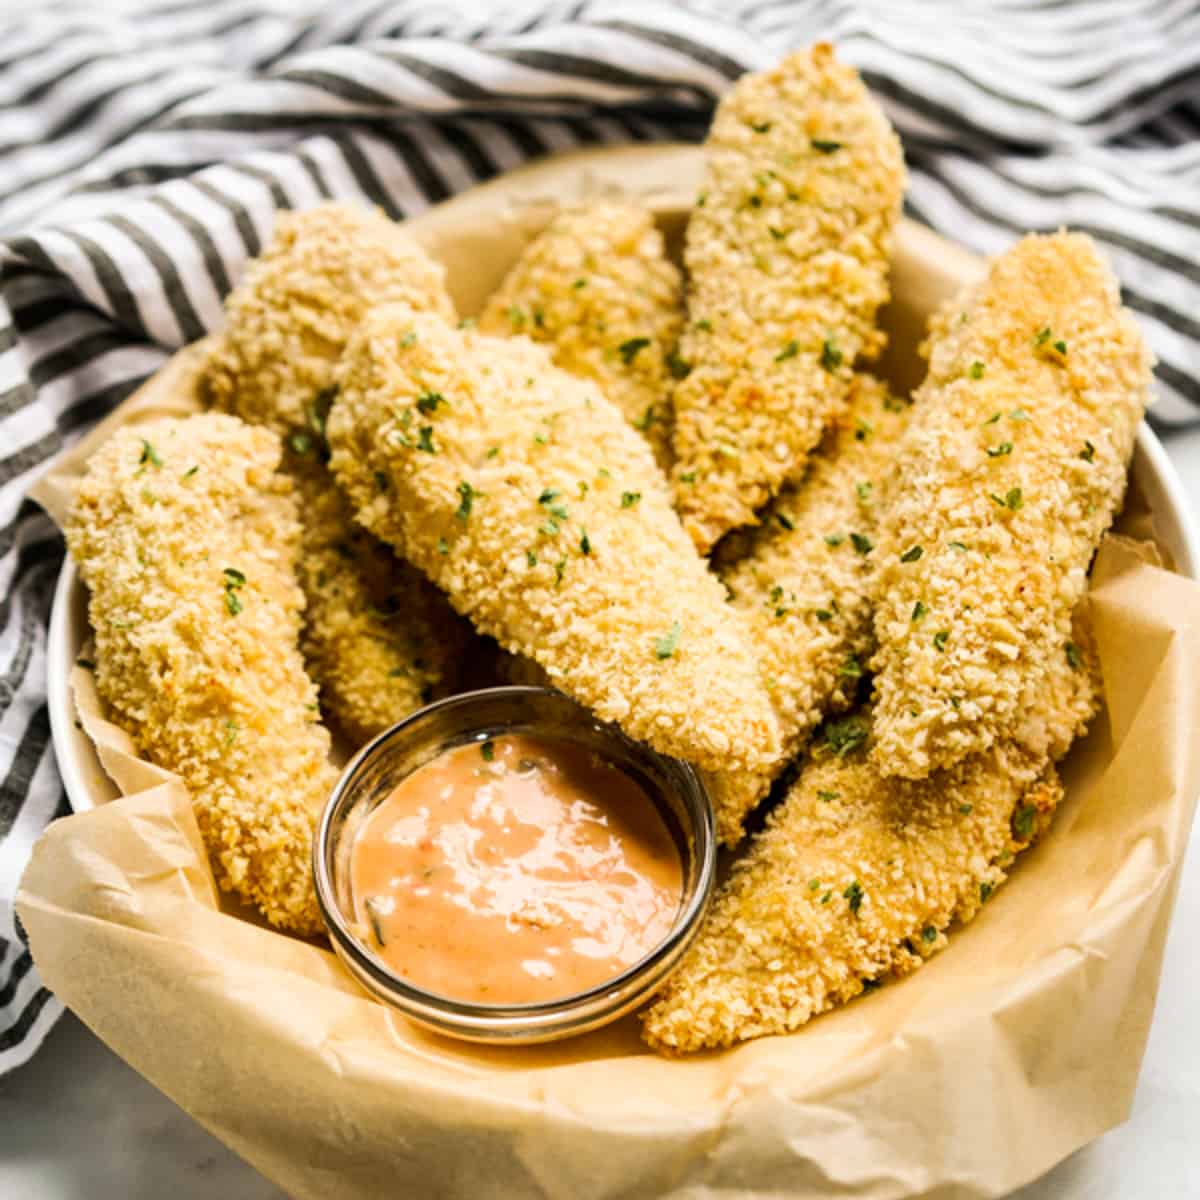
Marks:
<point>474,717</point>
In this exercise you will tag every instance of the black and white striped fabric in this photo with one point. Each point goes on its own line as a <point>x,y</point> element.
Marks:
<point>143,157</point>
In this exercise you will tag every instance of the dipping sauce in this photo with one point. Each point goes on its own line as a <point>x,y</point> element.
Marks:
<point>515,871</point>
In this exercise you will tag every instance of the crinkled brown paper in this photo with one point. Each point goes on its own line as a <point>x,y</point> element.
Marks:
<point>1014,1047</point>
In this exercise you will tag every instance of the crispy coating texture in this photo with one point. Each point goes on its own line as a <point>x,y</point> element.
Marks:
<point>855,877</point>
<point>787,255</point>
<point>598,289</point>
<point>528,498</point>
<point>187,537</point>
<point>804,586</point>
<point>379,639</point>
<point>1012,471</point>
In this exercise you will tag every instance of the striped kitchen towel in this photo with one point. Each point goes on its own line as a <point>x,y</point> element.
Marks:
<point>145,149</point>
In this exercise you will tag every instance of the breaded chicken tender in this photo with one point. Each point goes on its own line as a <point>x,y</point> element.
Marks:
<point>855,877</point>
<point>787,255</point>
<point>1012,470</point>
<point>803,586</point>
<point>187,538</point>
<point>379,639</point>
<point>527,497</point>
<point>598,289</point>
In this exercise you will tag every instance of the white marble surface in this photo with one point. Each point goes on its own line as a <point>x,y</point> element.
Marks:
<point>77,1124</point>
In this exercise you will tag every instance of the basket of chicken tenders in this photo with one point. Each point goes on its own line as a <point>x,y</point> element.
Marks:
<point>656,677</point>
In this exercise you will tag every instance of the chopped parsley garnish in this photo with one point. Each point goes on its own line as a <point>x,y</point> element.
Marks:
<point>760,126</point>
<point>965,808</point>
<point>846,735</point>
<point>549,495</point>
<point>825,899</point>
<point>149,455</point>
<point>234,582</point>
<point>1023,822</point>
<point>1013,499</point>
<point>409,339</point>
<point>824,146</point>
<point>854,894</point>
<point>826,795</point>
<point>679,367</point>
<point>665,646</point>
<point>912,554</point>
<point>863,430</point>
<point>531,558</point>
<point>985,890</point>
<point>823,614</point>
<point>646,419</point>
<point>777,234</point>
<point>488,750</point>
<point>1045,336</point>
<point>628,350</point>
<point>629,499</point>
<point>834,539</point>
<point>993,418</point>
<point>1000,451</point>
<point>1019,414</point>
<point>941,638</point>
<point>851,668</point>
<point>547,500</point>
<point>560,569</point>
<point>687,477</point>
<point>862,543</point>
<point>428,402</point>
<point>581,282</point>
<point>959,546</point>
<point>1074,657</point>
<point>425,439</point>
<point>789,351</point>
<point>548,527</point>
<point>443,546</point>
<point>1088,453</point>
<point>976,370</point>
<point>516,317</point>
<point>701,199</point>
<point>190,472</point>
<point>831,356</point>
<point>85,663</point>
<point>785,521</point>
<point>814,885</point>
<point>466,499</point>
<point>300,442</point>
<point>928,934</point>
<point>585,544</point>
<point>919,610</point>
<point>864,491</point>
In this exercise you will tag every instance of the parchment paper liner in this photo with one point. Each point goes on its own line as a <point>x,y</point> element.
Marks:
<point>1005,1053</point>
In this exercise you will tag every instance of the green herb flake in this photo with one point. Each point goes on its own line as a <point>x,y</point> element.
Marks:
<point>149,455</point>
<point>585,543</point>
<point>826,795</point>
<point>1023,822</point>
<point>531,558</point>
<point>919,610</point>
<point>823,614</point>
<point>777,234</point>
<point>862,543</point>
<point>912,554</point>
<point>993,418</point>
<point>409,339</point>
<point>1074,656</point>
<point>488,750</point>
<point>1000,451</point>
<point>1019,414</point>
<point>629,499</point>
<point>785,521</point>
<point>760,126</point>
<point>966,809</point>
<point>789,351</point>
<point>628,350</point>
<point>834,539</point>
<point>831,356</point>
<point>548,527</point>
<point>540,438</point>
<point>851,668</point>
<point>687,477</point>
<point>814,885</point>
<point>466,500</point>
<point>863,430</point>
<point>560,569</point>
<point>825,899</point>
<point>929,935</point>
<point>232,602</point>
<point>1088,453</point>
<point>679,367</point>
<point>960,547</point>
<point>300,442</point>
<point>425,439</point>
<point>863,491</point>
<point>705,325</point>
<point>976,370</point>
<point>941,638</point>
<point>664,647</point>
<point>854,895</point>
<point>443,546</point>
<point>824,146</point>
<point>985,890</point>
<point>843,736</point>
<point>516,318</point>
<point>646,419</point>
<point>427,402</point>
<point>85,663</point>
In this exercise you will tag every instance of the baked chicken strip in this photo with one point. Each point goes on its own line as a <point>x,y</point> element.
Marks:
<point>187,540</point>
<point>787,255</point>
<point>524,494</point>
<point>1012,469</point>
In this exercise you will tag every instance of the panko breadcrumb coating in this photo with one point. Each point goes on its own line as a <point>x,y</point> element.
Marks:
<point>787,255</point>
<point>597,288</point>
<point>855,877</point>
<point>527,497</point>
<point>186,537</point>
<point>1012,471</point>
<point>804,586</point>
<point>379,639</point>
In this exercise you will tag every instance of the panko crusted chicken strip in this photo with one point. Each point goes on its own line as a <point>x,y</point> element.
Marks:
<point>186,538</point>
<point>855,877</point>
<point>529,499</point>
<point>1013,469</point>
<point>379,638</point>
<point>803,586</point>
<point>597,288</point>
<point>787,255</point>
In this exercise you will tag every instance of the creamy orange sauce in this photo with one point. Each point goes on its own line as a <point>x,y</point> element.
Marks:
<point>515,871</point>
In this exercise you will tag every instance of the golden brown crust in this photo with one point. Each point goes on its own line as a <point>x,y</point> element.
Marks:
<point>803,586</point>
<point>527,497</point>
<point>1013,470</point>
<point>597,288</point>
<point>187,539</point>
<point>787,255</point>
<point>379,639</point>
